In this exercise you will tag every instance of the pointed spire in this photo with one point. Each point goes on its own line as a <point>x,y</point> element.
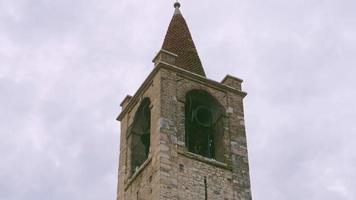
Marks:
<point>177,6</point>
<point>179,41</point>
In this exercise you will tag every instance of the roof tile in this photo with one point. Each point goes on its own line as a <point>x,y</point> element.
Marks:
<point>179,41</point>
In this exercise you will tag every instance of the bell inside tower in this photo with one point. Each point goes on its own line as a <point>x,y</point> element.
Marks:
<point>203,124</point>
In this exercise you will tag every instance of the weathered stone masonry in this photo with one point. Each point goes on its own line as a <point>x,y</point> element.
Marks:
<point>171,171</point>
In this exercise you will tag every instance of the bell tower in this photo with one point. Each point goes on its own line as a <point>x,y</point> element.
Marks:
<point>182,134</point>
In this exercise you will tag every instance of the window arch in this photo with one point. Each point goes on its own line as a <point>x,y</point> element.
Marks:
<point>204,125</point>
<point>140,135</point>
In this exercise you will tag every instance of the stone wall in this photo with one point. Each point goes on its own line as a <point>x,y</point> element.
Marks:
<point>171,172</point>
<point>144,183</point>
<point>184,172</point>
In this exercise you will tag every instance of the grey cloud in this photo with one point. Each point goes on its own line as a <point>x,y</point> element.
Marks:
<point>65,66</point>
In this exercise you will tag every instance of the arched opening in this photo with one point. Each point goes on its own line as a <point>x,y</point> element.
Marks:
<point>140,135</point>
<point>204,125</point>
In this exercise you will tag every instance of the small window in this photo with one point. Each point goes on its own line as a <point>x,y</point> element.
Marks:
<point>140,136</point>
<point>204,125</point>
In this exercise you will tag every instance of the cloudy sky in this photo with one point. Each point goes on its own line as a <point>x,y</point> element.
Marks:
<point>66,65</point>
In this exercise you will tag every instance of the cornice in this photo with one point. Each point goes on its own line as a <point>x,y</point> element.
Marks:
<point>188,74</point>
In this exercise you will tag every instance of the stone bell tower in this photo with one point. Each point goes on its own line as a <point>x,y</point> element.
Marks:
<point>182,134</point>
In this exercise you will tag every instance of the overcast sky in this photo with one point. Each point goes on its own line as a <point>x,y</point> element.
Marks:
<point>66,65</point>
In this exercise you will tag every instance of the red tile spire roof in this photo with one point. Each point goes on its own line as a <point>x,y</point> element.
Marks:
<point>179,41</point>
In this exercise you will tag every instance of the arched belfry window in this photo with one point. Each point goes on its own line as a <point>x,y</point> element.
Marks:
<point>140,135</point>
<point>204,125</point>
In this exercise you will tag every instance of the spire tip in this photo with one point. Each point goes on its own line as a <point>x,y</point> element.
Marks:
<point>177,4</point>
